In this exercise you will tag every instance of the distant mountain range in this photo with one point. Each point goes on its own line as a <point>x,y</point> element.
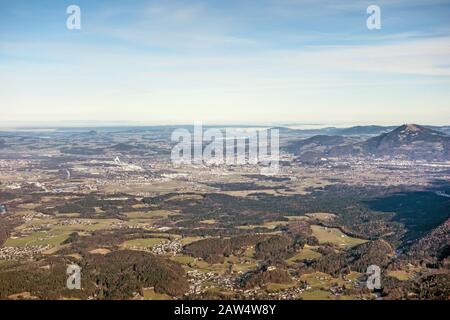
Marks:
<point>409,141</point>
<point>352,131</point>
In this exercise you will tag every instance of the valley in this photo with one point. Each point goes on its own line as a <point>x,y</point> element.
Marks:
<point>110,201</point>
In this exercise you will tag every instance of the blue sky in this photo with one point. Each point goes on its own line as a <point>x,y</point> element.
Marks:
<point>268,61</point>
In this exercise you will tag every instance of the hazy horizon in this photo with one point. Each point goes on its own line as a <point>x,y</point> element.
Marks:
<point>103,124</point>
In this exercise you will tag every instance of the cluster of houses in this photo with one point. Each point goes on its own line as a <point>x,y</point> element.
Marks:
<point>35,215</point>
<point>21,253</point>
<point>124,225</point>
<point>167,247</point>
<point>70,222</point>
<point>199,282</point>
<point>289,293</point>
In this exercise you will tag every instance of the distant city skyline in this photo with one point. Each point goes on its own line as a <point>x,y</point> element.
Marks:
<point>225,62</point>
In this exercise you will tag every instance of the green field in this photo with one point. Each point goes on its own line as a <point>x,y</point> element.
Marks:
<point>334,236</point>
<point>400,274</point>
<point>269,225</point>
<point>274,287</point>
<point>150,294</point>
<point>4,262</point>
<point>305,254</point>
<point>144,243</point>
<point>156,214</point>
<point>183,259</point>
<point>187,240</point>
<point>38,238</point>
<point>315,295</point>
<point>192,262</point>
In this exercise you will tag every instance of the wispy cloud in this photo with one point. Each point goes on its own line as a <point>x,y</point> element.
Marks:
<point>188,59</point>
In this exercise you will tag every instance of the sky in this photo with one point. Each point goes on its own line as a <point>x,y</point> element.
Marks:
<point>233,61</point>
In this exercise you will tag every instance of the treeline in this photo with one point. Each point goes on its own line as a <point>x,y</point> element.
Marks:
<point>435,246</point>
<point>267,247</point>
<point>42,280</point>
<point>107,238</point>
<point>87,204</point>
<point>242,186</point>
<point>120,274</point>
<point>262,277</point>
<point>432,286</point>
<point>214,250</point>
<point>7,224</point>
<point>261,177</point>
<point>274,247</point>
<point>117,275</point>
<point>358,258</point>
<point>350,204</point>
